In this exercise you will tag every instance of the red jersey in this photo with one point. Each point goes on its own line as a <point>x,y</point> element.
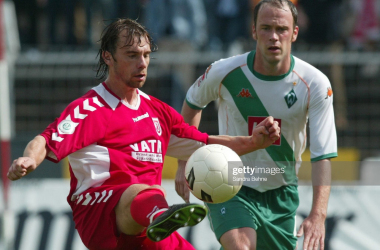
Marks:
<point>109,142</point>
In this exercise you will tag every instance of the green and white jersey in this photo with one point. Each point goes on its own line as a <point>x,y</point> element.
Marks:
<point>246,97</point>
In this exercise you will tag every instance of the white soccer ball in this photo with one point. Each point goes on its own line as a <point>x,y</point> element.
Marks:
<point>207,173</point>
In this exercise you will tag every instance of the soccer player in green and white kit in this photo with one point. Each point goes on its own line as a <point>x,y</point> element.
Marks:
<point>249,87</point>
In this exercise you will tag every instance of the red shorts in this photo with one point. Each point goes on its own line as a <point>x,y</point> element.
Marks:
<point>95,220</point>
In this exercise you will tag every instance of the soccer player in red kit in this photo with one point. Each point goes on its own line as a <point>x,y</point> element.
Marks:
<point>116,137</point>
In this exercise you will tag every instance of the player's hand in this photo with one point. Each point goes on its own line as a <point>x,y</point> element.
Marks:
<point>21,167</point>
<point>180,182</point>
<point>313,228</point>
<point>266,132</point>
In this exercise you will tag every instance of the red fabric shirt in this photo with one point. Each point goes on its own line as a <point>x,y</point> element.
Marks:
<point>108,142</point>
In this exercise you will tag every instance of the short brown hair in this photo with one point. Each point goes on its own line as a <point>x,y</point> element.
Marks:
<point>110,37</point>
<point>279,4</point>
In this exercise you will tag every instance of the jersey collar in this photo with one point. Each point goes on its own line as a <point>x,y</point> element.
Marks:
<point>250,61</point>
<point>113,100</point>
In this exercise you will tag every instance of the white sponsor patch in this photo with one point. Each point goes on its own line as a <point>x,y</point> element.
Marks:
<point>67,127</point>
<point>152,157</point>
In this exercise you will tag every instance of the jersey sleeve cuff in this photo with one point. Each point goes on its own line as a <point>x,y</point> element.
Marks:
<point>193,106</point>
<point>326,156</point>
<point>52,155</point>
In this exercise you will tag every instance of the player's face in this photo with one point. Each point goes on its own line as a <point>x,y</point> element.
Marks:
<point>131,62</point>
<point>274,33</point>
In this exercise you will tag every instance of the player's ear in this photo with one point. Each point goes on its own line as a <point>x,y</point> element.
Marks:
<point>107,57</point>
<point>295,34</point>
<point>254,33</point>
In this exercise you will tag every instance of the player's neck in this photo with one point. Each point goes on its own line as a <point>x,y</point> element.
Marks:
<point>124,92</point>
<point>266,68</point>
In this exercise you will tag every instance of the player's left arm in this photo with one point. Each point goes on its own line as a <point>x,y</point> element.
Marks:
<point>263,135</point>
<point>323,146</point>
<point>313,227</point>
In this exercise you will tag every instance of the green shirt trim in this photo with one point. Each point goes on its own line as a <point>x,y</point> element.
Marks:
<point>193,106</point>
<point>250,61</point>
<point>326,156</point>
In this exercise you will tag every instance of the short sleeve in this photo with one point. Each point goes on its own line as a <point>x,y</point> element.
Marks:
<point>206,88</point>
<point>323,138</point>
<point>82,123</point>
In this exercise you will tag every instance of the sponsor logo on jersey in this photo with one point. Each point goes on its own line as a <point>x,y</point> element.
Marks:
<point>138,118</point>
<point>329,93</point>
<point>253,121</point>
<point>157,125</point>
<point>245,93</point>
<point>67,126</point>
<point>149,150</point>
<point>291,98</point>
<point>151,157</point>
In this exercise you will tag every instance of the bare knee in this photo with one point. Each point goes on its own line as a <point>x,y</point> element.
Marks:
<point>238,245</point>
<point>239,239</point>
<point>130,193</point>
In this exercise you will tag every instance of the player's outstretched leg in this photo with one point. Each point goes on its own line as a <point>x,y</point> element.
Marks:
<point>177,216</point>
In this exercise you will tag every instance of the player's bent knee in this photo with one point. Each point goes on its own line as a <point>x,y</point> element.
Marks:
<point>239,239</point>
<point>160,188</point>
<point>132,191</point>
<point>239,246</point>
<point>124,220</point>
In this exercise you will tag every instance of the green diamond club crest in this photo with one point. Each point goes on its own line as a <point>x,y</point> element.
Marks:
<point>291,98</point>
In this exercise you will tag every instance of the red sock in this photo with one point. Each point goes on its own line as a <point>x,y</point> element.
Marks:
<point>147,203</point>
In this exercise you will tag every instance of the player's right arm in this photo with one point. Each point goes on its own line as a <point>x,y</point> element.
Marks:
<point>203,91</point>
<point>192,117</point>
<point>79,125</point>
<point>34,153</point>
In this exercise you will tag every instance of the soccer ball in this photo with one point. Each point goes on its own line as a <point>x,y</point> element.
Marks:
<point>207,173</point>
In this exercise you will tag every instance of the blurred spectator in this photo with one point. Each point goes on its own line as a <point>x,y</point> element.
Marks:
<point>157,18</point>
<point>177,26</point>
<point>325,22</point>
<point>365,33</point>
<point>107,10</point>
<point>27,16</point>
<point>228,20</point>
<point>132,9</point>
<point>179,19</point>
<point>100,11</point>
<point>57,9</point>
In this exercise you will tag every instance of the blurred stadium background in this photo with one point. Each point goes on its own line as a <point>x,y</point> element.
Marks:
<point>51,55</point>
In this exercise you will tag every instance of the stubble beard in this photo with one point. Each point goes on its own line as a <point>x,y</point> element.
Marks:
<point>136,85</point>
